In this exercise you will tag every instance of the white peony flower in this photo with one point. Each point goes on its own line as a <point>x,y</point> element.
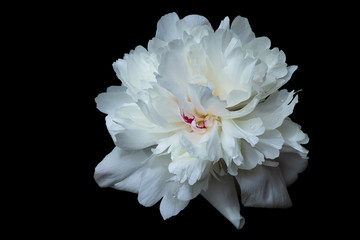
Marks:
<point>200,112</point>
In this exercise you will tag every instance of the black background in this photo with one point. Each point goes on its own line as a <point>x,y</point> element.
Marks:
<point>81,42</point>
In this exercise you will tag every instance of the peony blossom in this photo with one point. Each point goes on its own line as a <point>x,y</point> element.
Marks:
<point>200,112</point>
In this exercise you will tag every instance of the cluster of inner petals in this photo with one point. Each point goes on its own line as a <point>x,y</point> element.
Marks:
<point>198,122</point>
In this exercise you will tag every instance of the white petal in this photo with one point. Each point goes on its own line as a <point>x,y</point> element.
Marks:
<point>293,136</point>
<point>120,68</point>
<point>270,143</point>
<point>205,102</point>
<point>118,165</point>
<point>291,164</point>
<point>242,28</point>
<point>231,147</point>
<point>132,182</point>
<point>290,71</point>
<point>110,101</point>
<point>188,192</point>
<point>252,156</point>
<point>223,196</point>
<point>276,108</point>
<point>196,20</point>
<point>263,187</point>
<point>113,127</point>
<point>258,45</point>
<point>224,23</point>
<point>213,145</point>
<point>136,139</point>
<point>244,129</point>
<point>241,110</point>
<point>193,145</point>
<point>236,97</point>
<point>166,27</point>
<point>188,168</point>
<point>151,113</point>
<point>171,206</point>
<point>154,181</point>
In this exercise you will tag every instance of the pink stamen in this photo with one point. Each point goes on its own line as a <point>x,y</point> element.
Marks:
<point>195,124</point>
<point>187,119</point>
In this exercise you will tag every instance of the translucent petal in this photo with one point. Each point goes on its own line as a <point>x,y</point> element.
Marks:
<point>263,186</point>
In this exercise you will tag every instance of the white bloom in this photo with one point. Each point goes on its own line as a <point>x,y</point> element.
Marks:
<point>198,109</point>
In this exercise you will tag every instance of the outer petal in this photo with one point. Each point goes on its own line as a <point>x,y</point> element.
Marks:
<point>196,20</point>
<point>222,195</point>
<point>224,23</point>
<point>252,156</point>
<point>166,27</point>
<point>293,137</point>
<point>263,187</point>
<point>111,100</point>
<point>129,139</point>
<point>118,165</point>
<point>270,143</point>
<point>153,184</point>
<point>276,108</point>
<point>170,205</point>
<point>242,28</point>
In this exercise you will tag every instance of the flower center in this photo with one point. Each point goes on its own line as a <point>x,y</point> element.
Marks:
<point>198,122</point>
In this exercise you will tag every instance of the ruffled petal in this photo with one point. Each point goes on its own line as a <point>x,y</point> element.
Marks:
<point>188,168</point>
<point>276,108</point>
<point>247,129</point>
<point>270,143</point>
<point>223,196</point>
<point>263,186</point>
<point>293,137</point>
<point>118,165</point>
